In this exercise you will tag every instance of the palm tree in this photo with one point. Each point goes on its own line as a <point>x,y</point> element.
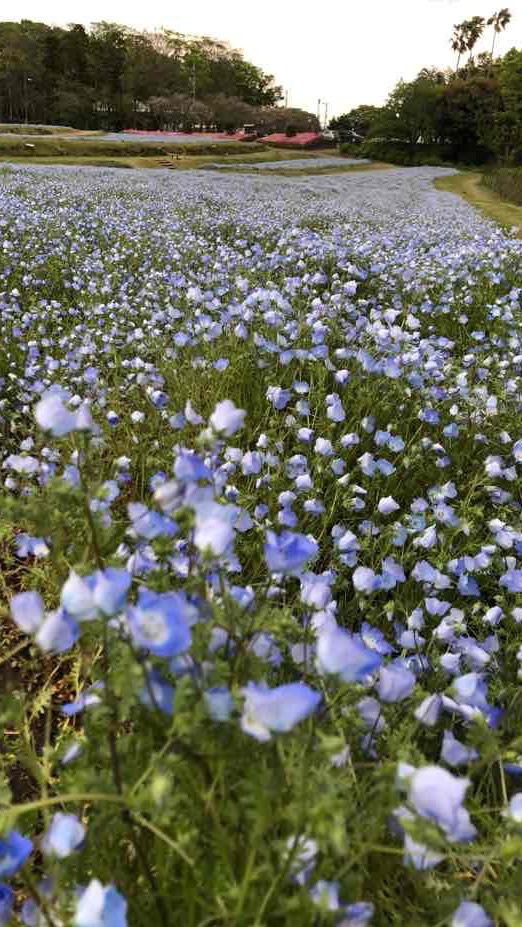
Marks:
<point>459,42</point>
<point>474,29</point>
<point>499,21</point>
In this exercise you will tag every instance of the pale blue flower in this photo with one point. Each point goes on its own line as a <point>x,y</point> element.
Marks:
<point>345,655</point>
<point>52,414</point>
<point>514,810</point>
<point>470,914</point>
<point>365,580</point>
<point>158,623</point>
<point>454,753</point>
<point>226,418</point>
<point>438,795</point>
<point>288,553</point>
<point>267,710</point>
<point>65,834</point>
<point>396,682</point>
<point>100,906</point>
<point>27,611</point>
<point>7,898</point>
<point>14,851</point>
<point>220,703</point>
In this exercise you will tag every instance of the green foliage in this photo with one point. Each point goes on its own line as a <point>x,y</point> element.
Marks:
<point>356,124</point>
<point>405,154</point>
<point>505,181</point>
<point>106,77</point>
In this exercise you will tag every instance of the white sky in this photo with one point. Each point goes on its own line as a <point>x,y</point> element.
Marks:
<point>345,52</point>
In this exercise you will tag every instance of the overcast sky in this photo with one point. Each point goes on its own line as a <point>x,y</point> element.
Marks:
<point>345,52</point>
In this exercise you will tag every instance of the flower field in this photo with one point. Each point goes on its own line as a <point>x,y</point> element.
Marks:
<point>260,552</point>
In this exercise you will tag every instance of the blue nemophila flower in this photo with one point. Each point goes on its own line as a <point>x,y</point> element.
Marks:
<point>158,623</point>
<point>470,914</point>
<point>77,597</point>
<point>455,753</point>
<point>428,712</point>
<point>315,589</point>
<point>188,468</point>
<point>157,693</point>
<point>58,633</point>
<point>149,524</point>
<point>387,505</point>
<point>100,906</point>
<point>7,898</point>
<point>365,580</point>
<point>326,895</point>
<point>512,581</point>
<point>28,546</point>
<point>438,795</point>
<point>396,682</point>
<point>14,851</point>
<point>52,414</point>
<point>513,812</point>
<point>268,711</point>
<point>110,590</point>
<point>345,655</point>
<point>27,611</point>
<point>278,397</point>
<point>219,702</point>
<point>215,526</point>
<point>304,860</point>
<point>288,553</point>
<point>87,699</point>
<point>226,418</point>
<point>65,834</point>
<point>358,914</point>
<point>54,631</point>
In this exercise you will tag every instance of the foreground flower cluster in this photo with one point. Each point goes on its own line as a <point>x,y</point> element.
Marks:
<point>261,497</point>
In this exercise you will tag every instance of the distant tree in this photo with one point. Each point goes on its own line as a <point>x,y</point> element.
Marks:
<point>104,77</point>
<point>499,21</point>
<point>459,42</point>
<point>227,113</point>
<point>356,124</point>
<point>474,30</point>
<point>411,113</point>
<point>277,118</point>
<point>467,110</point>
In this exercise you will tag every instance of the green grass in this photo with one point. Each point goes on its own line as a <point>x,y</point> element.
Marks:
<point>308,171</point>
<point>71,147</point>
<point>138,156</point>
<point>470,186</point>
<point>18,128</point>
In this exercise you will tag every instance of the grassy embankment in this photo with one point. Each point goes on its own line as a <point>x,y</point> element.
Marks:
<point>94,152</point>
<point>18,128</point>
<point>308,171</point>
<point>492,199</point>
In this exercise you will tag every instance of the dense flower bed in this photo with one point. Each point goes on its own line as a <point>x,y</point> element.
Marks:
<point>261,525</point>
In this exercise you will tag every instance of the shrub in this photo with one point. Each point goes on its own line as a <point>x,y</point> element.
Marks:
<point>507,182</point>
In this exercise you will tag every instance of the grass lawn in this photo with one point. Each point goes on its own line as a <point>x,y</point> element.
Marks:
<point>146,155</point>
<point>311,171</point>
<point>469,186</point>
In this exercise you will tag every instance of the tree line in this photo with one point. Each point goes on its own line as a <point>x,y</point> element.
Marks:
<point>471,113</point>
<point>111,77</point>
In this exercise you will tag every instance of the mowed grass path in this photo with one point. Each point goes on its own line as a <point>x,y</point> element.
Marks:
<point>469,187</point>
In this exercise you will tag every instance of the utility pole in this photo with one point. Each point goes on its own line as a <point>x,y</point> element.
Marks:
<point>319,111</point>
<point>286,99</point>
<point>326,115</point>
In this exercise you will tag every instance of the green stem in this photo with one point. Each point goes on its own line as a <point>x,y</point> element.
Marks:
<point>38,899</point>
